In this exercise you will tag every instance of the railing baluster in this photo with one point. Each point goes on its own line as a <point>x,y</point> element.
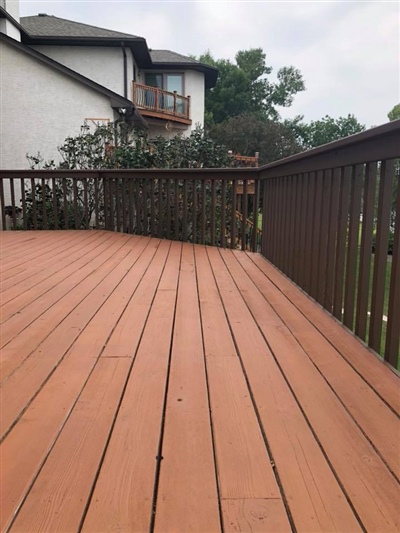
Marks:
<point>244,214</point>
<point>233,214</point>
<point>34,210</point>
<point>55,207</point>
<point>160,204</point>
<point>352,246</point>
<point>366,250</point>
<point>194,220</point>
<point>137,207</point>
<point>223,213</point>
<point>302,231</point>
<point>176,209</point>
<point>168,194</point>
<point>152,208</point>
<point>381,251</point>
<point>316,234</point>
<point>213,208</point>
<point>323,241</point>
<point>13,211</point>
<point>2,206</point>
<point>123,203</point>
<point>345,183</point>
<point>96,203</point>
<point>65,203</point>
<point>44,205</point>
<point>130,203</point>
<point>295,260</point>
<point>117,205</point>
<point>392,347</point>
<point>86,203</point>
<point>203,212</point>
<point>184,211</point>
<point>311,191</point>
<point>76,214</point>
<point>24,214</point>
<point>331,247</point>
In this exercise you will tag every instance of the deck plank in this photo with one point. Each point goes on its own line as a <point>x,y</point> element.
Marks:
<point>18,390</point>
<point>123,496</point>
<point>75,467</point>
<point>373,490</point>
<point>313,495</point>
<point>44,419</point>
<point>377,421</point>
<point>157,386</point>
<point>380,377</point>
<point>187,492</point>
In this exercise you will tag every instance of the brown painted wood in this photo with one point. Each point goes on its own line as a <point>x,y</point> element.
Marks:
<point>2,205</point>
<point>176,209</point>
<point>34,207</point>
<point>55,208</point>
<point>352,246</point>
<point>184,211</point>
<point>366,250</point>
<point>392,348</point>
<point>233,214</point>
<point>341,242</point>
<point>381,249</point>
<point>331,245</point>
<point>194,212</point>
<point>324,237</point>
<point>212,212</point>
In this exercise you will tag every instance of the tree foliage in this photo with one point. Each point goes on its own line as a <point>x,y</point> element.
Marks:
<point>243,87</point>
<point>248,134</point>
<point>323,131</point>
<point>394,113</point>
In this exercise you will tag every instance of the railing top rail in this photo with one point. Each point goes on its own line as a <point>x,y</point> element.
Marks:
<point>180,173</point>
<point>378,135</point>
<point>157,89</point>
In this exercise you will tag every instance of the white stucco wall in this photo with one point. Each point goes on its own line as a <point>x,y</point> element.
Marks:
<point>194,86</point>
<point>40,107</point>
<point>9,29</point>
<point>12,7</point>
<point>102,64</point>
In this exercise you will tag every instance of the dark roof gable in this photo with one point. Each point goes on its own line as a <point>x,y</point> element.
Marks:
<point>50,26</point>
<point>167,56</point>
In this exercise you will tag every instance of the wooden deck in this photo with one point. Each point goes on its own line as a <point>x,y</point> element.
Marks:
<point>151,385</point>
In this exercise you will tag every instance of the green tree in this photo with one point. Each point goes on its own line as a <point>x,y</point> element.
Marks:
<point>247,134</point>
<point>243,87</point>
<point>394,113</point>
<point>325,130</point>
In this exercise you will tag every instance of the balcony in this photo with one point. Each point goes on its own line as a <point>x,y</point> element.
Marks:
<point>166,366</point>
<point>157,103</point>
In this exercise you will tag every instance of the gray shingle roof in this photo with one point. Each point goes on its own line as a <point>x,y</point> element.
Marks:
<point>167,56</point>
<point>50,26</point>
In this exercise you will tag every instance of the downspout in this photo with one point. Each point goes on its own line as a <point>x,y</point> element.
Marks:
<point>125,71</point>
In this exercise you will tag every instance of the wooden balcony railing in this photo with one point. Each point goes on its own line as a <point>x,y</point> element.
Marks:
<point>161,104</point>
<point>330,219</point>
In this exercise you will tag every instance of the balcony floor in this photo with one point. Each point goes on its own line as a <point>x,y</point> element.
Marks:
<point>153,386</point>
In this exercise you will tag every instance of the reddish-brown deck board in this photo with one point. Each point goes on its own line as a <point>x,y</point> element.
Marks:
<point>123,496</point>
<point>30,342</point>
<point>313,495</point>
<point>52,455</point>
<point>187,489</point>
<point>53,262</point>
<point>385,382</point>
<point>374,491</point>
<point>378,422</point>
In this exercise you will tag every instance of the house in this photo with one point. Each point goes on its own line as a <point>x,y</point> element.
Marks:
<point>56,74</point>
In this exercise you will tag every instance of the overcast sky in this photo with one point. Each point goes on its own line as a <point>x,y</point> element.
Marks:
<point>348,51</point>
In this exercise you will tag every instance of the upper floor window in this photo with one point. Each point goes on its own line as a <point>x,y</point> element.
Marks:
<point>167,82</point>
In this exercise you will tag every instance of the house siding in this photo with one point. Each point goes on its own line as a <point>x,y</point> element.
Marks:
<point>40,107</point>
<point>102,64</point>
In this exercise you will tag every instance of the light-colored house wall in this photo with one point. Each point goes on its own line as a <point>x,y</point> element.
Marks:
<point>102,64</point>
<point>12,7</point>
<point>40,107</point>
<point>9,29</point>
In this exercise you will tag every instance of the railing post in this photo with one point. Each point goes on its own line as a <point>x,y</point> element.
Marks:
<point>175,93</point>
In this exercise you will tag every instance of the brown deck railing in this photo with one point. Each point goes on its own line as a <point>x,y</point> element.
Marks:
<point>196,205</point>
<point>158,101</point>
<point>330,219</point>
